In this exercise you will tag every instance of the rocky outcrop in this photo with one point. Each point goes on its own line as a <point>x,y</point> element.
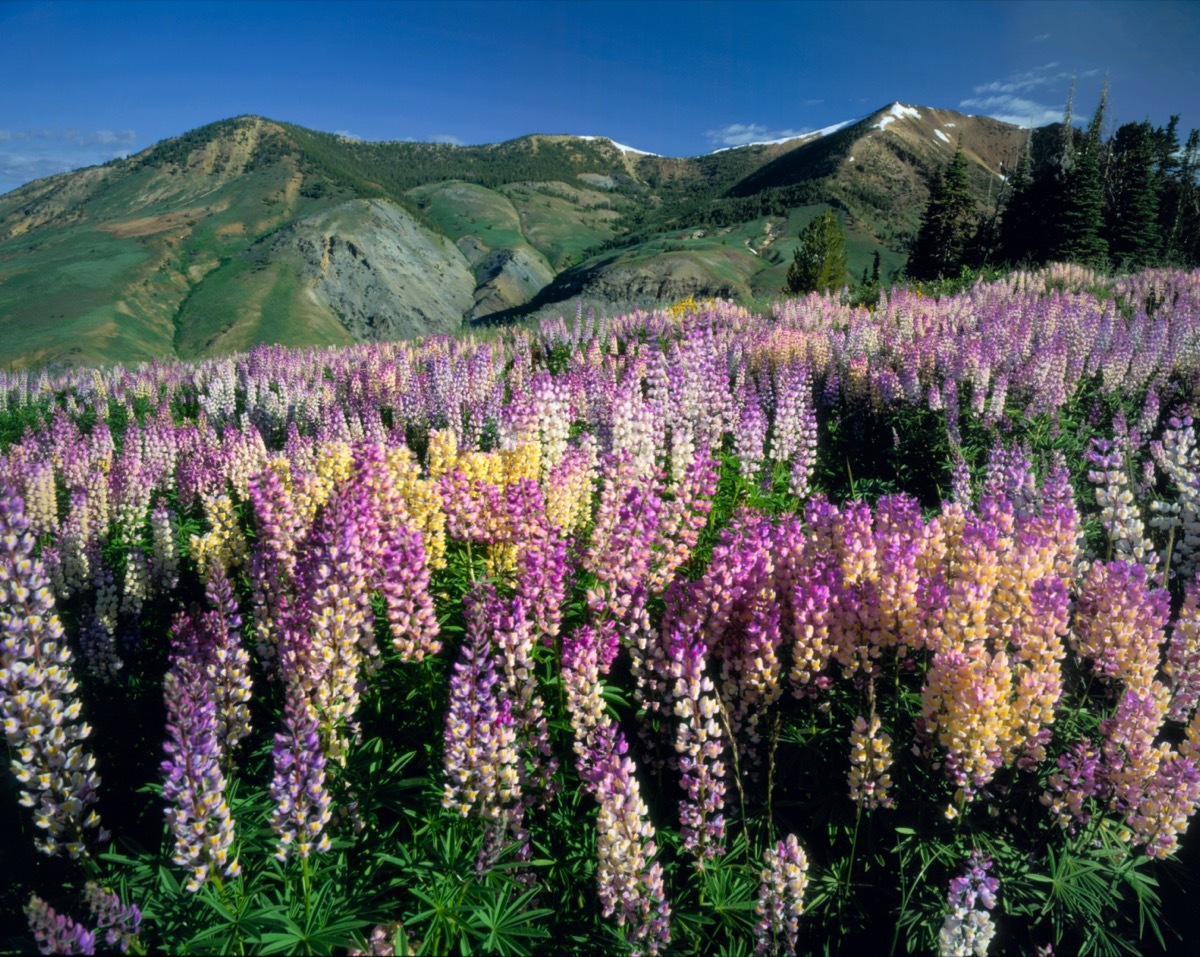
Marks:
<point>507,278</point>
<point>385,277</point>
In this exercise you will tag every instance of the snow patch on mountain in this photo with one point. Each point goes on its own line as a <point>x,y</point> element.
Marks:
<point>621,146</point>
<point>810,135</point>
<point>897,111</point>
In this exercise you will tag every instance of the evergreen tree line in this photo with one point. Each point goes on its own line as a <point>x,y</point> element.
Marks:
<point>1125,203</point>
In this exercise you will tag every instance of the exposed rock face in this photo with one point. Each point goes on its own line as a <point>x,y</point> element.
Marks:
<point>383,275</point>
<point>509,277</point>
<point>661,280</point>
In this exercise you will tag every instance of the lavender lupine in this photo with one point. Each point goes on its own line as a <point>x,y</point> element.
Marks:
<point>211,640</point>
<point>587,654</point>
<point>120,923</point>
<point>195,786</point>
<point>56,933</point>
<point>699,747</point>
<point>301,811</point>
<point>780,901</point>
<point>870,759</point>
<point>1179,458</point>
<point>630,880</point>
<point>968,928</point>
<point>1118,513</point>
<point>794,433</point>
<point>1182,666</point>
<point>37,696</point>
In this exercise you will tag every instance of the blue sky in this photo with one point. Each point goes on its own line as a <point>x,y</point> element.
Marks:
<point>81,83</point>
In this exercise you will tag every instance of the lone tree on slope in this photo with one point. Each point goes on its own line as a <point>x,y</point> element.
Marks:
<point>820,260</point>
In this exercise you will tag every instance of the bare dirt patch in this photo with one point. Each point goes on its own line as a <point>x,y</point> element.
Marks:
<point>149,225</point>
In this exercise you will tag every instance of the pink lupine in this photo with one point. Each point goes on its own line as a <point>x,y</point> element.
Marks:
<point>273,559</point>
<point>404,584</point>
<point>1119,622</point>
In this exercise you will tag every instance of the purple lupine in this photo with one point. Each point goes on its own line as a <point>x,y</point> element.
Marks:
<point>56,933</point>
<point>120,923</point>
<point>480,758</point>
<point>1168,800</point>
<point>513,638</point>
<point>301,811</point>
<point>195,786</point>
<point>37,696</point>
<point>1079,779</point>
<point>781,898</point>
<point>224,662</point>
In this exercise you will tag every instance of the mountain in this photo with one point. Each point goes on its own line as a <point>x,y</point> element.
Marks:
<point>250,230</point>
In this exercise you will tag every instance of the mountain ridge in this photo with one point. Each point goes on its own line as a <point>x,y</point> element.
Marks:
<point>204,242</point>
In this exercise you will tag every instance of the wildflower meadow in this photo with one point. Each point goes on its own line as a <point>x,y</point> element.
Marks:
<point>825,628</point>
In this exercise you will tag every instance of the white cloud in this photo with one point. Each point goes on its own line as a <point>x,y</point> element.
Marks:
<point>1020,98</point>
<point>1041,38</point>
<point>739,134</point>
<point>1015,109</point>
<point>1024,82</point>
<point>27,155</point>
<point>346,134</point>
<point>447,139</point>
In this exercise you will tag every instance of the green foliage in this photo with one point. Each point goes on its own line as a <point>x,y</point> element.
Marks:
<point>819,263</point>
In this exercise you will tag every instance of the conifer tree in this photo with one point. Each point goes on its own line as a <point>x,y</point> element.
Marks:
<point>819,263</point>
<point>1022,229</point>
<point>1081,219</point>
<point>941,243</point>
<point>1131,214</point>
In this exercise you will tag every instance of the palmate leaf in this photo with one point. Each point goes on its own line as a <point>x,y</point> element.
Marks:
<point>507,927</point>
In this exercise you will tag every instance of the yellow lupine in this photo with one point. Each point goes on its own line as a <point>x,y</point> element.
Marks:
<point>223,544</point>
<point>423,501</point>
